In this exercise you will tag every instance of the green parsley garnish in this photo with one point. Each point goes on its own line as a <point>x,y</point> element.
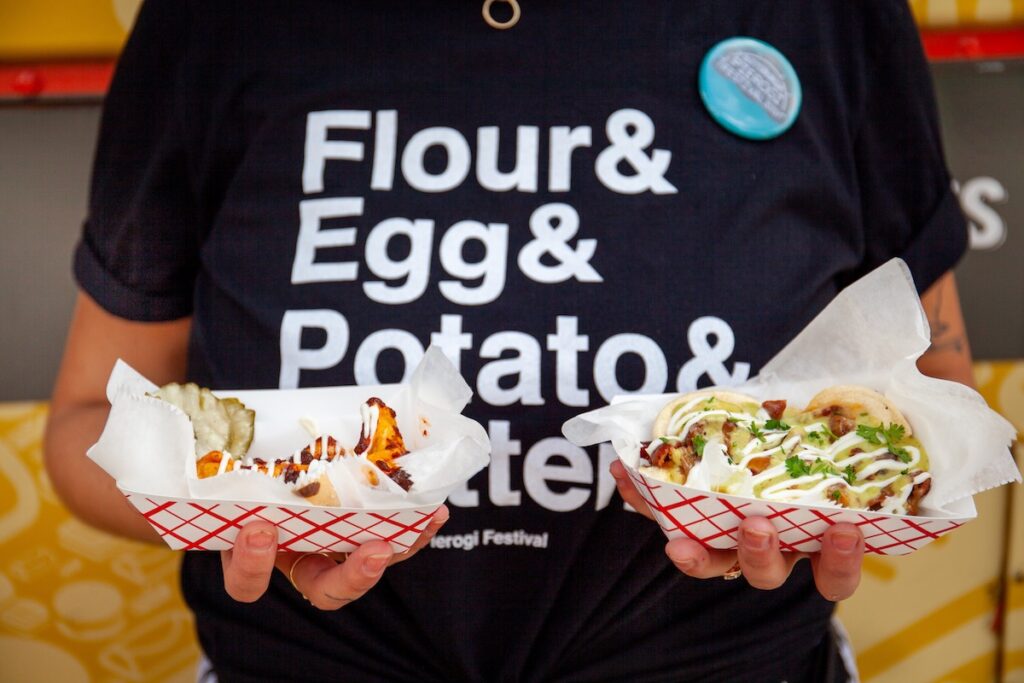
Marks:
<point>849,475</point>
<point>887,436</point>
<point>836,495</point>
<point>823,467</point>
<point>698,444</point>
<point>891,434</point>
<point>869,434</point>
<point>900,453</point>
<point>796,467</point>
<point>907,471</point>
<point>755,431</point>
<point>776,426</point>
<point>821,436</point>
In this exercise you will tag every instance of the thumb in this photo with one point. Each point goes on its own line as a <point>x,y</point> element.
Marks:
<point>249,565</point>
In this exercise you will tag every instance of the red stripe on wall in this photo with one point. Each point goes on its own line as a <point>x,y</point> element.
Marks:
<point>967,45</point>
<point>57,80</point>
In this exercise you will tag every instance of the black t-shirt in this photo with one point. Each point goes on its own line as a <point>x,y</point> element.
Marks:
<point>329,187</point>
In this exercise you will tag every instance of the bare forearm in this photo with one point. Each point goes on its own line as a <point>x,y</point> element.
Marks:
<point>87,490</point>
<point>950,354</point>
<point>78,407</point>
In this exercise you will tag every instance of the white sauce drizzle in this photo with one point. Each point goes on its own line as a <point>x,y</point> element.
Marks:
<point>370,414</point>
<point>310,425</point>
<point>225,458</point>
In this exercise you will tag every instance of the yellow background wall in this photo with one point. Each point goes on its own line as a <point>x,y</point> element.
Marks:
<point>76,604</point>
<point>936,615</point>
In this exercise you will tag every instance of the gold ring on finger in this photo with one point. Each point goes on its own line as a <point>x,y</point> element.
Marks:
<point>291,572</point>
<point>734,572</point>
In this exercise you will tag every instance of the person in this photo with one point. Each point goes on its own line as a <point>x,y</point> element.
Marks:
<point>308,194</point>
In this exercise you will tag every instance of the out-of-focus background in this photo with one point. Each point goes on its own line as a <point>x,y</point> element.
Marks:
<point>78,605</point>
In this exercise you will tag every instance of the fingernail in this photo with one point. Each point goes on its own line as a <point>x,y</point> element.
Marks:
<point>685,562</point>
<point>845,541</point>
<point>260,541</point>
<point>755,539</point>
<point>375,564</point>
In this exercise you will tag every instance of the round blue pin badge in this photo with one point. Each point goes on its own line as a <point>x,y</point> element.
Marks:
<point>750,88</point>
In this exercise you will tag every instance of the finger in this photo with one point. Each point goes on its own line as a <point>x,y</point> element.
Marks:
<point>693,559</point>
<point>328,585</point>
<point>837,566</point>
<point>764,565</point>
<point>626,489</point>
<point>249,565</point>
<point>438,520</point>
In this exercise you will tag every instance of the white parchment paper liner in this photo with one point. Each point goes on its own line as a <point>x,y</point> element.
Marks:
<point>147,445</point>
<point>871,334</point>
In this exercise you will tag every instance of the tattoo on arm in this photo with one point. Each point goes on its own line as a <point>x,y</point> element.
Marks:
<point>944,336</point>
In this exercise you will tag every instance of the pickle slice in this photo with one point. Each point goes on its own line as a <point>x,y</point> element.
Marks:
<point>219,424</point>
<point>242,422</point>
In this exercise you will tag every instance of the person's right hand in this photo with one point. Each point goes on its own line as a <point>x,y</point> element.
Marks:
<point>327,581</point>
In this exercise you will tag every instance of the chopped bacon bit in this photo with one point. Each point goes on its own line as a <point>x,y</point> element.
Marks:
<point>364,441</point>
<point>727,429</point>
<point>669,455</point>
<point>825,412</point>
<point>838,493</point>
<point>759,465</point>
<point>697,428</point>
<point>396,473</point>
<point>876,503</point>
<point>309,490</point>
<point>402,478</point>
<point>662,455</point>
<point>916,494</point>
<point>292,472</point>
<point>643,451</point>
<point>259,461</point>
<point>307,457</point>
<point>840,425</point>
<point>774,408</point>
<point>332,448</point>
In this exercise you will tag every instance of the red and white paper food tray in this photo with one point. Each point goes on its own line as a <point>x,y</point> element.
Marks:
<point>213,525</point>
<point>713,519</point>
<point>871,334</point>
<point>148,447</point>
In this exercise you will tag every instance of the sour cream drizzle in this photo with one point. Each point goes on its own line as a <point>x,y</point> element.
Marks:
<point>370,415</point>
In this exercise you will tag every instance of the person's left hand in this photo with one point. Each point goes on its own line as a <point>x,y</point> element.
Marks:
<point>836,567</point>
